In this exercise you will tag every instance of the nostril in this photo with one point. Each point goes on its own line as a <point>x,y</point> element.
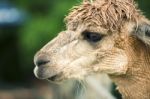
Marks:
<point>41,62</point>
<point>41,59</point>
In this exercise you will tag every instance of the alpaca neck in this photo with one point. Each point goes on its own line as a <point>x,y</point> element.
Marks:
<point>135,84</point>
<point>134,87</point>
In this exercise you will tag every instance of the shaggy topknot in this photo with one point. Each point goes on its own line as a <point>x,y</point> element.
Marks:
<point>109,14</point>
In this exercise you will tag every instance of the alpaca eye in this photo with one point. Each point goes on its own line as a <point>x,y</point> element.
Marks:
<point>92,36</point>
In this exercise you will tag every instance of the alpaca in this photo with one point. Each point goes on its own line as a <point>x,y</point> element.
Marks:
<point>101,36</point>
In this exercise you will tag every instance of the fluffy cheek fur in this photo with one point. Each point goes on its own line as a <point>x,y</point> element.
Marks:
<point>80,59</point>
<point>114,62</point>
<point>75,59</point>
<point>79,68</point>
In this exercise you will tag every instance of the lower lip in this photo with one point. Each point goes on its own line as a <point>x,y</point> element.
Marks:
<point>55,79</point>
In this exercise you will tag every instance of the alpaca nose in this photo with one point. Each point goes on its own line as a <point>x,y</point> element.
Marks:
<point>41,60</point>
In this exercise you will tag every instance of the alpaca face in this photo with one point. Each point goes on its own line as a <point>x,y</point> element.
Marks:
<point>79,53</point>
<point>97,39</point>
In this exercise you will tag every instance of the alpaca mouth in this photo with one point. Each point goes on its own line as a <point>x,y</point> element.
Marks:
<point>56,78</point>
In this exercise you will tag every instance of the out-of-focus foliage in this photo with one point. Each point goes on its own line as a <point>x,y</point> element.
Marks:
<point>145,7</point>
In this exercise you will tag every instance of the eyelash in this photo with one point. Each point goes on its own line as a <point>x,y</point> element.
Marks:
<point>92,36</point>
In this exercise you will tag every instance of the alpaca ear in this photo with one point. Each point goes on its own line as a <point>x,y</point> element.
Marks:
<point>143,33</point>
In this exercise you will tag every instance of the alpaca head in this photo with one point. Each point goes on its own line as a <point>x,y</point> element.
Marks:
<point>96,39</point>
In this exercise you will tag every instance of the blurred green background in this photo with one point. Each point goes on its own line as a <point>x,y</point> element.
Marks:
<point>41,20</point>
